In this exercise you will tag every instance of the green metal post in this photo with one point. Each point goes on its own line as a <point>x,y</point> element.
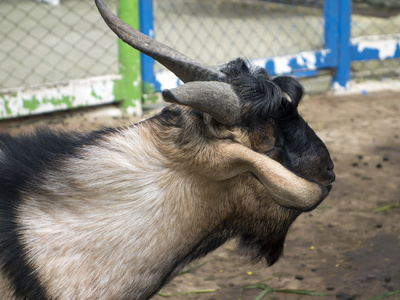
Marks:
<point>129,88</point>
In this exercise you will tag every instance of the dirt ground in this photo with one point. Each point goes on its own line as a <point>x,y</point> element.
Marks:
<point>349,247</point>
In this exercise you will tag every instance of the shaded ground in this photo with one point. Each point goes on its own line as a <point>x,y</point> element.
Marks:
<point>343,248</point>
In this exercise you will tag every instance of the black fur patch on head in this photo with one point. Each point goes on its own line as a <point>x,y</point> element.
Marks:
<point>23,159</point>
<point>266,99</point>
<point>263,96</point>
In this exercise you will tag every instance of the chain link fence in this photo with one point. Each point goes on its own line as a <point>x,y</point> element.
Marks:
<point>371,19</point>
<point>216,31</point>
<point>42,43</point>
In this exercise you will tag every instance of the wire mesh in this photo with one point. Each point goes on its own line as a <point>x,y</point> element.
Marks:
<point>373,18</point>
<point>44,43</point>
<point>216,31</point>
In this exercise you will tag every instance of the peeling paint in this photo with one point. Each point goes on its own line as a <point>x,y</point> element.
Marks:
<point>338,88</point>
<point>259,62</point>
<point>367,87</point>
<point>167,80</point>
<point>386,46</point>
<point>135,110</point>
<point>61,96</point>
<point>307,59</point>
<point>288,64</point>
<point>282,64</point>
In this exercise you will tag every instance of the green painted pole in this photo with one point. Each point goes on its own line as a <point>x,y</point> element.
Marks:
<point>129,88</point>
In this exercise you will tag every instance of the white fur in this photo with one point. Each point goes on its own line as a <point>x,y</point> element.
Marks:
<point>109,229</point>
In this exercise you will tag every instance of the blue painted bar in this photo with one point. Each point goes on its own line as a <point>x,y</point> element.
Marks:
<point>308,73</point>
<point>342,76</point>
<point>338,52</point>
<point>380,49</point>
<point>331,34</point>
<point>303,64</point>
<point>150,84</point>
<point>299,62</point>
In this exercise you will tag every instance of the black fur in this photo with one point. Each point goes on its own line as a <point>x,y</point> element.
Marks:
<point>22,160</point>
<point>265,98</point>
<point>262,96</point>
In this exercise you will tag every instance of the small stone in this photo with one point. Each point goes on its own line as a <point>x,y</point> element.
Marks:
<point>299,277</point>
<point>379,225</point>
<point>330,288</point>
<point>355,164</point>
<point>387,279</point>
<point>385,158</point>
<point>379,166</point>
<point>314,270</point>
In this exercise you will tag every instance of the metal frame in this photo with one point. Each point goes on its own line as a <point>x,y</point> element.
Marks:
<point>335,57</point>
<point>136,71</point>
<point>125,86</point>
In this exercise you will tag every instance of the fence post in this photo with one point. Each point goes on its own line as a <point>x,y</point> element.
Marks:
<point>342,76</point>
<point>129,88</point>
<point>147,27</point>
<point>331,17</point>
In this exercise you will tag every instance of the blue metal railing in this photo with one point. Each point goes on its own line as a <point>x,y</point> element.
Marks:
<point>337,54</point>
<point>150,83</point>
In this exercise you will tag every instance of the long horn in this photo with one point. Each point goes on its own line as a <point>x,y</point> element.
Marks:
<point>212,97</point>
<point>182,66</point>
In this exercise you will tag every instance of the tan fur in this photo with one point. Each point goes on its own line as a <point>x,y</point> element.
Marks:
<point>6,289</point>
<point>117,221</point>
<point>109,238</point>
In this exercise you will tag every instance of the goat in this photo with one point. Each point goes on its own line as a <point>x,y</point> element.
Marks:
<point>116,213</point>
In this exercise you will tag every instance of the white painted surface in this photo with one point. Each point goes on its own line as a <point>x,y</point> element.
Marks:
<point>385,45</point>
<point>84,92</point>
<point>366,87</point>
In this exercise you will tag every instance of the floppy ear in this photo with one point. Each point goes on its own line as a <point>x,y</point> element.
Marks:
<point>286,188</point>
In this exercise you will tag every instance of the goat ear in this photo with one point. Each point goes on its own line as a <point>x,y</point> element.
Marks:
<point>286,188</point>
<point>212,97</point>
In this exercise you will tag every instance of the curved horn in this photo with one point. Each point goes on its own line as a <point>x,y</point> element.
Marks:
<point>212,97</point>
<point>182,66</point>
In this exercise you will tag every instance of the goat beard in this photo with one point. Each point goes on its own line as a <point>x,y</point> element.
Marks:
<point>257,249</point>
<point>265,240</point>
